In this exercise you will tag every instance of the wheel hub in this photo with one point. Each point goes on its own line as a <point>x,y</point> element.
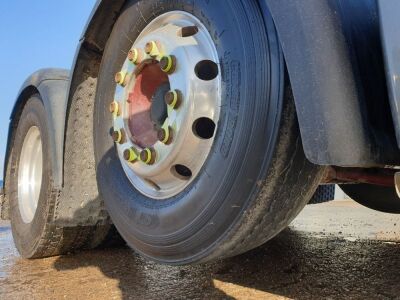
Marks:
<point>159,109</point>
<point>168,85</point>
<point>143,111</point>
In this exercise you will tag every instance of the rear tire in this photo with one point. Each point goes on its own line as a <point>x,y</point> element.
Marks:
<point>255,180</point>
<point>39,235</point>
<point>36,238</point>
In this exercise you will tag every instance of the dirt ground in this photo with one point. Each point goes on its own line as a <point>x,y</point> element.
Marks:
<point>338,250</point>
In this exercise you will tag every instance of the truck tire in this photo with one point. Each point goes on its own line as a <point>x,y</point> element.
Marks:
<point>376,197</point>
<point>33,199</point>
<point>31,211</point>
<point>254,178</point>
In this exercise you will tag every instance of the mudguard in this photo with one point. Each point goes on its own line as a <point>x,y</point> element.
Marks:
<point>52,85</point>
<point>389,16</point>
<point>334,59</point>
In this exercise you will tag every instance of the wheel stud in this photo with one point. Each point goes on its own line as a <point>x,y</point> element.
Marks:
<point>135,56</point>
<point>165,135</point>
<point>152,48</point>
<point>119,136</point>
<point>168,64</point>
<point>115,109</point>
<point>121,78</point>
<point>148,156</point>
<point>131,155</point>
<point>173,99</point>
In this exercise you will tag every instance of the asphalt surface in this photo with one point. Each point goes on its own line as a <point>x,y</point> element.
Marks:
<point>338,250</point>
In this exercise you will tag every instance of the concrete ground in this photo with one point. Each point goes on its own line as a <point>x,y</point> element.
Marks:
<point>338,250</point>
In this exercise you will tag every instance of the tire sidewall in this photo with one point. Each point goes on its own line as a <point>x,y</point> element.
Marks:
<point>27,236</point>
<point>196,218</point>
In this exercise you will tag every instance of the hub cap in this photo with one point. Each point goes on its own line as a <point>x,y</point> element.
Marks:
<point>30,174</point>
<point>167,104</point>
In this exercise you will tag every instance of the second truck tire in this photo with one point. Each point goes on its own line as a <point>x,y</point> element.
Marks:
<point>32,197</point>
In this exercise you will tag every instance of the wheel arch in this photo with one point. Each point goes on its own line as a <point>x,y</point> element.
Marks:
<point>92,43</point>
<point>51,85</point>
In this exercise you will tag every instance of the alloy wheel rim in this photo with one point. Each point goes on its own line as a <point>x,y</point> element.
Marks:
<point>166,105</point>
<point>30,174</point>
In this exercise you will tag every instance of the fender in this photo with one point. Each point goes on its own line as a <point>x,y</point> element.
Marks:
<point>390,23</point>
<point>334,61</point>
<point>52,85</point>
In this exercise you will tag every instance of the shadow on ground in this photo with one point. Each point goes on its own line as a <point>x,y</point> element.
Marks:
<point>312,260</point>
<point>292,265</point>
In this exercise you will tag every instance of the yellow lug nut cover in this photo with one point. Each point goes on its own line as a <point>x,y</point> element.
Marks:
<point>121,78</point>
<point>168,64</point>
<point>173,98</point>
<point>131,155</point>
<point>165,135</point>
<point>135,56</point>
<point>148,156</point>
<point>115,108</point>
<point>119,136</point>
<point>152,48</point>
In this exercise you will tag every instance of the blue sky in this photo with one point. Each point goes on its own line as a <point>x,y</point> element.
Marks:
<point>34,35</point>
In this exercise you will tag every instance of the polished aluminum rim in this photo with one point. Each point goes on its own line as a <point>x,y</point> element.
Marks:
<point>162,168</point>
<point>30,174</point>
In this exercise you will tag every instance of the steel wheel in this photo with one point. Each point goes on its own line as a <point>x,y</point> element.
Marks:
<point>30,174</point>
<point>166,105</point>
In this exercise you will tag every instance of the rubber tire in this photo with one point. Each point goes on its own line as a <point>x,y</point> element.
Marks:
<point>42,237</point>
<point>256,179</point>
<point>36,239</point>
<point>378,198</point>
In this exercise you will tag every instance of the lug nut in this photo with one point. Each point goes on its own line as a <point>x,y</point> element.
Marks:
<point>119,136</point>
<point>121,78</point>
<point>135,56</point>
<point>165,135</point>
<point>115,109</point>
<point>131,155</point>
<point>152,48</point>
<point>148,156</point>
<point>173,98</point>
<point>168,64</point>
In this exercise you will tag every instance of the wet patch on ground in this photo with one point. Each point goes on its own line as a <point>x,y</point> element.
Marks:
<point>332,251</point>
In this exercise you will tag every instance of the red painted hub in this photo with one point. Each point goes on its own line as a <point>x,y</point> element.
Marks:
<point>140,123</point>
